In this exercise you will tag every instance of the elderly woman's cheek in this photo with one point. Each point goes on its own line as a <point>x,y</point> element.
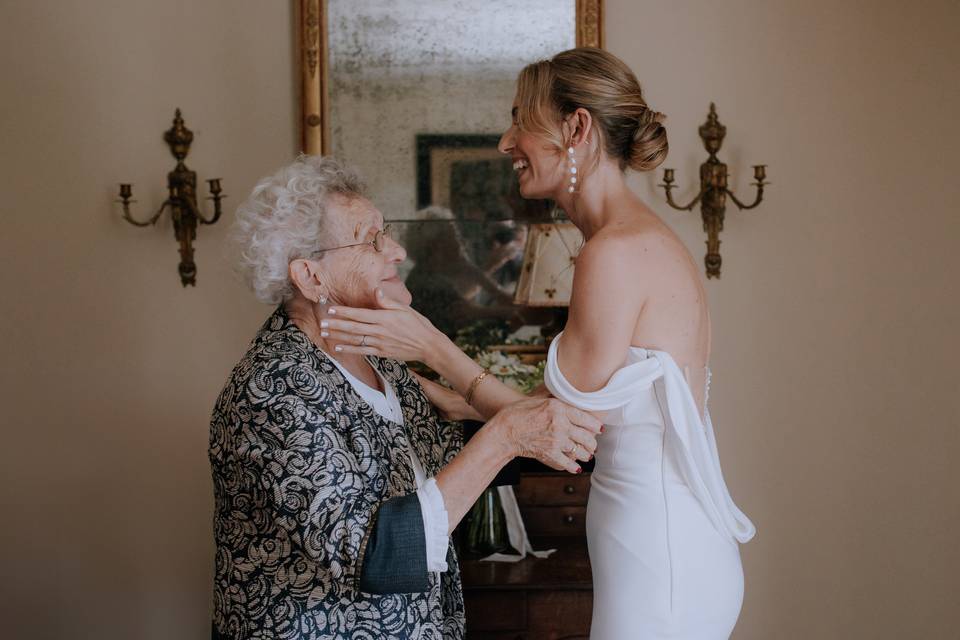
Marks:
<point>348,281</point>
<point>370,277</point>
<point>361,288</point>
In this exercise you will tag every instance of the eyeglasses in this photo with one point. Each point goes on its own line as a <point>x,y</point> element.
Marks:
<point>378,242</point>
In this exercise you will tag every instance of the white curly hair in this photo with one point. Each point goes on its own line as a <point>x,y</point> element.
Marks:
<point>285,218</point>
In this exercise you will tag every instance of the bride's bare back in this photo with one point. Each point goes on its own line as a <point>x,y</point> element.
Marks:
<point>636,285</point>
<point>676,317</point>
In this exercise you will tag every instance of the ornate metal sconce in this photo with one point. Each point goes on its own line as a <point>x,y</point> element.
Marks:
<point>713,190</point>
<point>182,184</point>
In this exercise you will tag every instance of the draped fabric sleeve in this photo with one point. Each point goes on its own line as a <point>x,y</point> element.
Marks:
<point>623,386</point>
<point>700,459</point>
<point>693,438</point>
<point>317,494</point>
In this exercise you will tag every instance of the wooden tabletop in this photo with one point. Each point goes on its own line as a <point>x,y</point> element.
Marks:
<point>567,568</point>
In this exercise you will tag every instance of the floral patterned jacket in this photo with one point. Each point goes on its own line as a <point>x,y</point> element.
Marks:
<point>317,525</point>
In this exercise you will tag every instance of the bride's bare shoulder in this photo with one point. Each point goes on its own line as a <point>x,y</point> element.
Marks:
<point>634,242</point>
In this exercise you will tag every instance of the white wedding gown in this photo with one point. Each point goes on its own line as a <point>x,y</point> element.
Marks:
<point>662,530</point>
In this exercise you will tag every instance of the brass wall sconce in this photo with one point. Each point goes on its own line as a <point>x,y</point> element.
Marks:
<point>713,190</point>
<point>182,184</point>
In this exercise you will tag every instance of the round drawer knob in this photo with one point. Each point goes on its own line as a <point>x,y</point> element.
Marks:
<point>568,519</point>
<point>569,489</point>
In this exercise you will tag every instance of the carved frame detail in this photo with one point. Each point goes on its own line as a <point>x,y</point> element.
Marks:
<point>312,64</point>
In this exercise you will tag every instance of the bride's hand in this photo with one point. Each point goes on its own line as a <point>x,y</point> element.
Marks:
<point>393,331</point>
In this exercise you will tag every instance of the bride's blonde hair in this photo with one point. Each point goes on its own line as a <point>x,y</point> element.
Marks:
<point>549,90</point>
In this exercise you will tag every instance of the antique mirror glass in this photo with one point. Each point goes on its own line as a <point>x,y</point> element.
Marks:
<point>416,94</point>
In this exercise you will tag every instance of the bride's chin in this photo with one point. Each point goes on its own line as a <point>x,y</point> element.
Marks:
<point>532,193</point>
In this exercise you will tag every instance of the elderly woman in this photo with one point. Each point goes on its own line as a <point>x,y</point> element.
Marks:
<point>336,486</point>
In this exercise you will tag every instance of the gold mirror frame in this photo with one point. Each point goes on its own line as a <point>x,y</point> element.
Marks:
<point>312,63</point>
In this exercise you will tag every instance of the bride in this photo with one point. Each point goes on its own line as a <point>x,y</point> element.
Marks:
<point>662,530</point>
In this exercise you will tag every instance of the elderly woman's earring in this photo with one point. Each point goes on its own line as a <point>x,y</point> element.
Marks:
<point>322,300</point>
<point>573,170</point>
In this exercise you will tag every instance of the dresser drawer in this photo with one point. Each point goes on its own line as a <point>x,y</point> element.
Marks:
<point>553,490</point>
<point>546,615</point>
<point>495,610</point>
<point>555,521</point>
<point>559,614</point>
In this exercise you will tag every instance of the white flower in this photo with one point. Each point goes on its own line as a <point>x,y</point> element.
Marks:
<point>499,363</point>
<point>513,383</point>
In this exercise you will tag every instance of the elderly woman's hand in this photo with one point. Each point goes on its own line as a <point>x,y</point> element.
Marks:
<point>393,331</point>
<point>549,430</point>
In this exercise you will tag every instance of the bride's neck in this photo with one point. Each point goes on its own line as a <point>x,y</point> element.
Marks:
<point>600,202</point>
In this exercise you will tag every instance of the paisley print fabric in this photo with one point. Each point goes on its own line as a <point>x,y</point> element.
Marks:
<point>301,465</point>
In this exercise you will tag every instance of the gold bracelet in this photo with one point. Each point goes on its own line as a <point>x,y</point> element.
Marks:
<point>473,385</point>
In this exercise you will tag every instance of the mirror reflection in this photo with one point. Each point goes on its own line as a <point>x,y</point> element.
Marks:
<point>419,94</point>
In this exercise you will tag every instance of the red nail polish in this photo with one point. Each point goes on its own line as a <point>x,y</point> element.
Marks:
<point>579,470</point>
<point>602,429</point>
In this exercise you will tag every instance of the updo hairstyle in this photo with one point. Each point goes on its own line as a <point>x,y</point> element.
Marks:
<point>550,90</point>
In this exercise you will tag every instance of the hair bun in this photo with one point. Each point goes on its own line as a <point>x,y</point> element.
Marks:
<point>649,147</point>
<point>630,133</point>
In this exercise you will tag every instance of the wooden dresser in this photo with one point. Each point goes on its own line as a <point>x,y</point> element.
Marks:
<point>537,599</point>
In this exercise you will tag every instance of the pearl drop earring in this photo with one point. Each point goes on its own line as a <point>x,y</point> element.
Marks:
<point>573,170</point>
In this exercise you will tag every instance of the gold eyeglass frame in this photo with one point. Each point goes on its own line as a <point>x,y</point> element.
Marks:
<point>377,239</point>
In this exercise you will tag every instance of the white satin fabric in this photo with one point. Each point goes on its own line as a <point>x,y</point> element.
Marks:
<point>662,529</point>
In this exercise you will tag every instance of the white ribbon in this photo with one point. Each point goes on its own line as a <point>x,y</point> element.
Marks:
<point>516,532</point>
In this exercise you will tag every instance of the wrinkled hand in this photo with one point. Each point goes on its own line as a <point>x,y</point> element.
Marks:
<point>540,391</point>
<point>393,331</point>
<point>551,431</point>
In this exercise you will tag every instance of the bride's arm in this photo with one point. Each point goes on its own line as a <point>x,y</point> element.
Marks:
<point>487,395</point>
<point>604,306</point>
<point>448,403</point>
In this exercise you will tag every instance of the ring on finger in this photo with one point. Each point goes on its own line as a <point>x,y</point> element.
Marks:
<point>570,449</point>
<point>363,341</point>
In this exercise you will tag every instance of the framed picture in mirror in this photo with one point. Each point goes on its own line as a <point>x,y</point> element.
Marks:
<point>468,238</point>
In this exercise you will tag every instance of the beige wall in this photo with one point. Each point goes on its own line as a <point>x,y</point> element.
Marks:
<point>834,397</point>
<point>110,367</point>
<point>835,388</point>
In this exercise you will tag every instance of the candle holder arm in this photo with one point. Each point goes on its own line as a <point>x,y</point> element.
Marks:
<point>151,221</point>
<point>746,207</point>
<point>199,214</point>
<point>670,201</point>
